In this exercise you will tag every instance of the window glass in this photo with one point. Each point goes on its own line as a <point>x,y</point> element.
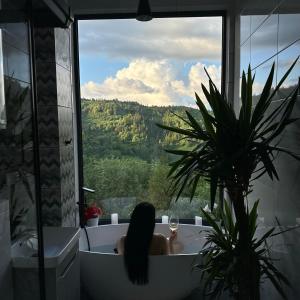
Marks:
<point>264,41</point>
<point>134,75</point>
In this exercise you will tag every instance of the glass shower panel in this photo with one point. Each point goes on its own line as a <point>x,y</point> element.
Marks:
<point>2,92</point>
<point>245,57</point>
<point>257,21</point>
<point>18,240</point>
<point>264,41</point>
<point>285,60</point>
<point>289,20</point>
<point>245,28</point>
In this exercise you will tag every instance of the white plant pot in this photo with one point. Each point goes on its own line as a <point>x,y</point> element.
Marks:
<point>92,222</point>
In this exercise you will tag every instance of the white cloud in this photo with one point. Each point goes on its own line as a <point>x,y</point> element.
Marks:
<point>152,83</point>
<point>174,38</point>
<point>197,76</point>
<point>257,88</point>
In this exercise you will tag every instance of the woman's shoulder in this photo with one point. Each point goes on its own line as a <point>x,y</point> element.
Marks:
<point>120,244</point>
<point>159,245</point>
<point>159,237</point>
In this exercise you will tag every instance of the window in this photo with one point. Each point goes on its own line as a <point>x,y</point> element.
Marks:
<point>134,75</point>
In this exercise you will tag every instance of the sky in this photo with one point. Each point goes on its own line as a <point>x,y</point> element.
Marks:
<point>160,62</point>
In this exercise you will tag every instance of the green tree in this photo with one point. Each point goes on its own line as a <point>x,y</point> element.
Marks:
<point>159,186</point>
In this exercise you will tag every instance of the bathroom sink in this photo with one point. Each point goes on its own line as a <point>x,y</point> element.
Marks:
<point>58,242</point>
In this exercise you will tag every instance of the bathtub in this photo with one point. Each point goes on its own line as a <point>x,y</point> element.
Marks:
<point>103,275</point>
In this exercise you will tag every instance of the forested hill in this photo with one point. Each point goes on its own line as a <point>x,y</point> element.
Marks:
<point>116,129</point>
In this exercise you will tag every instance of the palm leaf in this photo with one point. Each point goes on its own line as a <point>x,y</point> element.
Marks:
<point>186,132</point>
<point>206,117</point>
<point>260,107</point>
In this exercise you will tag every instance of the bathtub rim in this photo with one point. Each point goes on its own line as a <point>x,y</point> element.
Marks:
<point>126,224</point>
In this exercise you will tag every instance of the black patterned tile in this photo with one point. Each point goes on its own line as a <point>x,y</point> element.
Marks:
<point>46,84</point>
<point>44,45</point>
<point>62,47</point>
<point>50,167</point>
<point>48,126</point>
<point>51,207</point>
<point>64,87</point>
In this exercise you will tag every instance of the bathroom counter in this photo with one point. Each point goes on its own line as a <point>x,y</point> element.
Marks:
<point>58,242</point>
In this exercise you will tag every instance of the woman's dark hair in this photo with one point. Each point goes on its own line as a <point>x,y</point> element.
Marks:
<point>138,241</point>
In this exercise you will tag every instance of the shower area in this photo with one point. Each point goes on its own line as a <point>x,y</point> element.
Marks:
<point>38,224</point>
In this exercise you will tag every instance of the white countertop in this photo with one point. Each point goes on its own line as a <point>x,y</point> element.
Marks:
<point>58,242</point>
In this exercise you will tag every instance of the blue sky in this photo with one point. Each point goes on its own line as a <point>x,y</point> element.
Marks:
<point>162,62</point>
<point>154,63</point>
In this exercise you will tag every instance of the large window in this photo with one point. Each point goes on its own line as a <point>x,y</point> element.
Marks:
<point>134,75</point>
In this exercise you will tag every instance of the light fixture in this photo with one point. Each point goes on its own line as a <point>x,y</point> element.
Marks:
<point>144,11</point>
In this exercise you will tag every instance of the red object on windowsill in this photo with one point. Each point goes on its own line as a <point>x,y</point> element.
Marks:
<point>92,212</point>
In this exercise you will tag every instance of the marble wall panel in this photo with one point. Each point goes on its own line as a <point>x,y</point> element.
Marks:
<point>67,185</point>
<point>64,87</point>
<point>63,47</point>
<point>65,119</point>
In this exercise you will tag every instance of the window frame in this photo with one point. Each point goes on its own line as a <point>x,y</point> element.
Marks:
<point>76,73</point>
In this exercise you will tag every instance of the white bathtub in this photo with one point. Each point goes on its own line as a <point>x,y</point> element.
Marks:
<point>171,277</point>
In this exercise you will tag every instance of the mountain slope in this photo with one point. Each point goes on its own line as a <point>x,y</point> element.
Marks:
<point>115,129</point>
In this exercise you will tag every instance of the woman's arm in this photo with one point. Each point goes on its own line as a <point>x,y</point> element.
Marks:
<point>172,238</point>
<point>120,245</point>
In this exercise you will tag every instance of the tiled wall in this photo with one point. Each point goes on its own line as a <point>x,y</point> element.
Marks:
<point>17,201</point>
<point>54,85</point>
<point>270,32</point>
<point>55,121</point>
<point>271,37</point>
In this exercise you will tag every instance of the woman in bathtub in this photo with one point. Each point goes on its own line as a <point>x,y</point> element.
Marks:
<point>140,242</point>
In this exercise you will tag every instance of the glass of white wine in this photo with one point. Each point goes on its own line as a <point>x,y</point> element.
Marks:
<point>173,223</point>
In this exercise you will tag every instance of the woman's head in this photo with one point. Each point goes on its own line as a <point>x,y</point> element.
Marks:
<point>143,218</point>
<point>138,241</point>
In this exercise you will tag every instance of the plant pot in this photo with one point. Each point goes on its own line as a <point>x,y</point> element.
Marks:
<point>92,222</point>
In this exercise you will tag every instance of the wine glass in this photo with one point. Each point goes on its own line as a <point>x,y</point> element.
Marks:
<point>173,223</point>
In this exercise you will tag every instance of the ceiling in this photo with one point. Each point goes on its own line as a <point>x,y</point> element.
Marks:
<point>130,6</point>
<point>94,7</point>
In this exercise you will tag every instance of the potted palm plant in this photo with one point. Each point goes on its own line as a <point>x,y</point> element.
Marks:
<point>231,150</point>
